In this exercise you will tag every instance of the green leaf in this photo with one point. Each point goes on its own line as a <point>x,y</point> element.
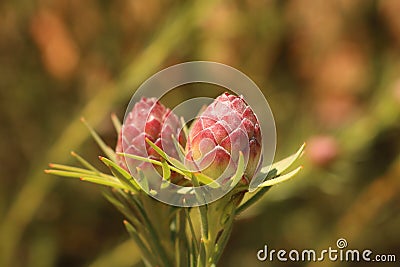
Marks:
<point>223,239</point>
<point>143,180</point>
<point>239,171</point>
<point>121,174</point>
<point>147,254</point>
<point>157,149</point>
<point>195,245</point>
<point>280,179</point>
<point>113,200</point>
<point>255,196</point>
<point>166,170</point>
<point>65,173</point>
<point>72,174</point>
<point>70,171</point>
<point>176,163</point>
<point>193,254</point>
<point>116,122</point>
<point>205,179</point>
<point>106,149</point>
<point>70,168</point>
<point>84,162</point>
<point>121,200</point>
<point>89,177</point>
<point>184,128</point>
<point>155,162</point>
<point>132,156</point>
<point>179,148</point>
<point>270,173</point>
<point>104,182</point>
<point>284,164</point>
<point>275,169</point>
<point>202,256</point>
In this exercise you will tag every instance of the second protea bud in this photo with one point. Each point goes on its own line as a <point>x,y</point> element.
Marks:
<point>148,119</point>
<point>225,128</point>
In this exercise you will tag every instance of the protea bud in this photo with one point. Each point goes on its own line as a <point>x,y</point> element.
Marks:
<point>148,119</point>
<point>227,126</point>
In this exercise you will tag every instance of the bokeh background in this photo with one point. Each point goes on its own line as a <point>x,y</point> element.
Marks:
<point>329,69</point>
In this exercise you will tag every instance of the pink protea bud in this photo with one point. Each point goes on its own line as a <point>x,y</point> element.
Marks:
<point>227,126</point>
<point>148,119</point>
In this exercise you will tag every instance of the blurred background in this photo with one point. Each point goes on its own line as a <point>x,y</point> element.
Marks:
<point>329,69</point>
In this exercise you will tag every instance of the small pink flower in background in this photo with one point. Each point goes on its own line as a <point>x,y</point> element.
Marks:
<point>322,150</point>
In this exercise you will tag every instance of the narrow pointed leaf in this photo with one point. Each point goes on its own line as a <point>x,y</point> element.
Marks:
<point>93,178</point>
<point>153,161</point>
<point>106,149</point>
<point>179,165</point>
<point>239,171</point>
<point>207,180</point>
<point>113,200</point>
<point>184,128</point>
<point>166,170</point>
<point>104,182</point>
<point>130,182</point>
<point>157,149</point>
<point>143,180</point>
<point>110,163</point>
<point>281,178</point>
<point>264,187</point>
<point>192,231</point>
<point>164,155</point>
<point>255,196</point>
<point>193,254</point>
<point>179,148</point>
<point>284,164</point>
<point>132,156</point>
<point>201,259</point>
<point>116,122</point>
<point>121,174</point>
<point>147,255</point>
<point>66,173</point>
<point>84,162</point>
<point>70,168</point>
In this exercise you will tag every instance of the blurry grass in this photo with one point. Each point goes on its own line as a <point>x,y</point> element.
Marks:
<point>181,22</point>
<point>359,199</point>
<point>383,113</point>
<point>363,210</point>
<point>120,256</point>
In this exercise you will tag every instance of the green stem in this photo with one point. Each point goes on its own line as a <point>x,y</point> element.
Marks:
<point>192,231</point>
<point>220,247</point>
<point>203,212</point>
<point>223,240</point>
<point>153,234</point>
<point>182,243</point>
<point>252,200</point>
<point>147,255</point>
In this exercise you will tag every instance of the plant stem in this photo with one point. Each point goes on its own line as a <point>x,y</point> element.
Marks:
<point>252,200</point>
<point>154,239</point>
